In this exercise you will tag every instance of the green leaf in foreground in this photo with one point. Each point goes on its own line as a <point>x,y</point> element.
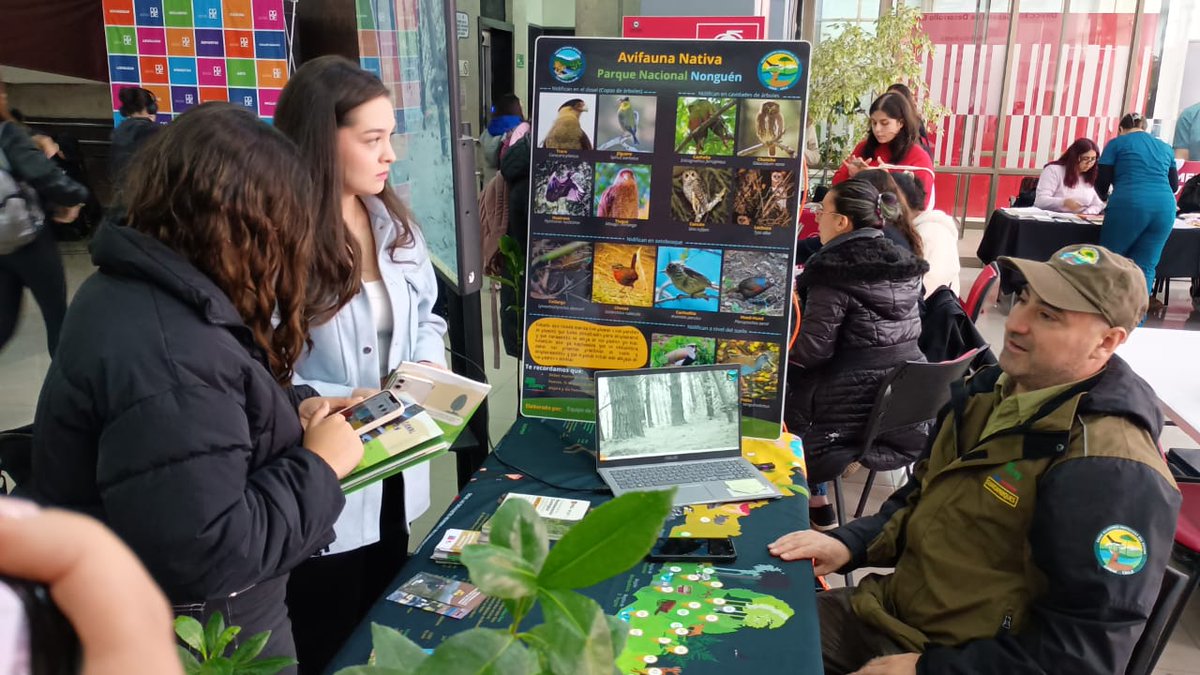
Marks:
<point>517,527</point>
<point>499,572</point>
<point>480,651</point>
<point>613,538</point>
<point>576,635</point>
<point>395,651</point>
<point>192,633</point>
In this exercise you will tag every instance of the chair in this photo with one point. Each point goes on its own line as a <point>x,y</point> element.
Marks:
<point>1172,597</point>
<point>973,305</point>
<point>913,392</point>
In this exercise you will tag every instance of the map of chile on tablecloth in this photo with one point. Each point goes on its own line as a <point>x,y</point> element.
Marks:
<point>189,52</point>
<point>662,217</point>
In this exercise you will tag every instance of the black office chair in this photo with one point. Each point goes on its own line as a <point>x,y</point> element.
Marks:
<point>912,393</point>
<point>1160,625</point>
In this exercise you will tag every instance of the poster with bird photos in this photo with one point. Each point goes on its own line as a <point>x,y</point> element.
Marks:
<point>664,200</point>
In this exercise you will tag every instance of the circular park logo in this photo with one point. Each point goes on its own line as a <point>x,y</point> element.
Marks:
<point>779,70</point>
<point>567,64</point>
<point>1121,550</point>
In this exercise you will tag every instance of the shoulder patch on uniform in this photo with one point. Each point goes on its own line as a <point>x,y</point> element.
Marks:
<point>1121,550</point>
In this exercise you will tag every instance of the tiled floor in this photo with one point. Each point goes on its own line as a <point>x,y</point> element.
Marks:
<point>23,364</point>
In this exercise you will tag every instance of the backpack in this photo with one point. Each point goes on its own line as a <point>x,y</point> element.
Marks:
<point>21,217</point>
<point>1189,196</point>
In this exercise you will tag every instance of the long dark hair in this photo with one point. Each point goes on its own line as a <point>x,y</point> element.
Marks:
<point>864,205</point>
<point>231,194</point>
<point>316,102</point>
<point>1070,162</point>
<point>5,113</point>
<point>898,107</point>
<point>134,100</point>
<point>883,183</point>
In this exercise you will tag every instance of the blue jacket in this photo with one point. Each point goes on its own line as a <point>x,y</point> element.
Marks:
<point>345,356</point>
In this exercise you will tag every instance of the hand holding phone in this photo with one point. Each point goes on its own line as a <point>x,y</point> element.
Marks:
<point>331,437</point>
<point>122,619</point>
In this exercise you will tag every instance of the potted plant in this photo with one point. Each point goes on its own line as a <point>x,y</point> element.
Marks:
<point>210,643</point>
<point>517,565</point>
<point>852,66</point>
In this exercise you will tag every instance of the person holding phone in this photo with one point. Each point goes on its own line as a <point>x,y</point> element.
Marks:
<point>169,414</point>
<point>894,139</point>
<point>372,263</point>
<point>120,618</point>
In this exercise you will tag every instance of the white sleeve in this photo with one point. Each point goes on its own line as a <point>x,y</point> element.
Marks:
<point>1049,189</point>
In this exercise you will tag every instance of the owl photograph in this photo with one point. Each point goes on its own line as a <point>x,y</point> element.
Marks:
<point>769,128</point>
<point>626,123</point>
<point>766,198</point>
<point>701,195</point>
<point>704,126</point>
<point>622,191</point>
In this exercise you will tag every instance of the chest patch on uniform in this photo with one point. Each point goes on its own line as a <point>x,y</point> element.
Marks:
<point>1003,485</point>
<point>1121,550</point>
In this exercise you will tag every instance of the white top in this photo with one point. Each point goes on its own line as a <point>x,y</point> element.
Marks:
<point>1161,356</point>
<point>939,244</point>
<point>1051,191</point>
<point>381,313</point>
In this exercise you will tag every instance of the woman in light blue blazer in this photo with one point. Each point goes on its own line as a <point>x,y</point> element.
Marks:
<point>373,262</point>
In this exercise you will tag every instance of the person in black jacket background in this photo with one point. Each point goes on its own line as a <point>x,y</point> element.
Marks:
<point>859,319</point>
<point>168,414</point>
<point>36,265</point>
<point>138,107</point>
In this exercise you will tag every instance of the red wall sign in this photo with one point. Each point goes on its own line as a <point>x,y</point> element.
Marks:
<point>696,27</point>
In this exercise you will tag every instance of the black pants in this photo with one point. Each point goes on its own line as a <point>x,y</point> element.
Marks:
<point>38,267</point>
<point>329,595</point>
<point>257,609</point>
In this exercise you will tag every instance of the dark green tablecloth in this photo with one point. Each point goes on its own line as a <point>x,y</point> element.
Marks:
<point>757,614</point>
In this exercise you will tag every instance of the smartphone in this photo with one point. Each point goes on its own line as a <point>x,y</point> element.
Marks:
<point>373,412</point>
<point>35,637</point>
<point>685,549</point>
<point>417,388</point>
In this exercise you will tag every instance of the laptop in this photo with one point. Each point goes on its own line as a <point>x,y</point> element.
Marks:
<point>663,427</point>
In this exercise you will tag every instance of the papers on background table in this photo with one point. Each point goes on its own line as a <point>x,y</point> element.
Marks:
<point>1034,213</point>
<point>1187,221</point>
<point>439,595</point>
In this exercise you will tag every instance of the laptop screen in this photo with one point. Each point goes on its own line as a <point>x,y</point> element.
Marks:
<point>657,412</point>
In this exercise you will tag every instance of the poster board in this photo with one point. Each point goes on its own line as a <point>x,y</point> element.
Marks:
<point>189,52</point>
<point>662,219</point>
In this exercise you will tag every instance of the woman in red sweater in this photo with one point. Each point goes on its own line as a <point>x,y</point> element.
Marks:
<point>894,139</point>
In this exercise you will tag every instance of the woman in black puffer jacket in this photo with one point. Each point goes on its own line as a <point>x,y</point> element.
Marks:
<point>860,320</point>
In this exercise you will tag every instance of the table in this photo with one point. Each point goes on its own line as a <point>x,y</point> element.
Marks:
<point>780,626</point>
<point>1167,360</point>
<point>1023,237</point>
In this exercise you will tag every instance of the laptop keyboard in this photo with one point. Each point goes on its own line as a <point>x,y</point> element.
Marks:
<point>679,474</point>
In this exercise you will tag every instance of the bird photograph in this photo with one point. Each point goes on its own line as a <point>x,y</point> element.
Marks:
<point>701,195</point>
<point>566,121</point>
<point>769,128</point>
<point>766,198</point>
<point>623,274</point>
<point>681,350</point>
<point>563,187</point>
<point>623,191</point>
<point>685,277</point>
<point>625,123</point>
<point>560,270</point>
<point>758,363</point>
<point>754,282</point>
<point>704,126</point>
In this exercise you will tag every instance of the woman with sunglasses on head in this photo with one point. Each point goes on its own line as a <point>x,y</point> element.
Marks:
<point>373,263</point>
<point>1141,209</point>
<point>169,413</point>
<point>859,302</point>
<point>1068,184</point>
